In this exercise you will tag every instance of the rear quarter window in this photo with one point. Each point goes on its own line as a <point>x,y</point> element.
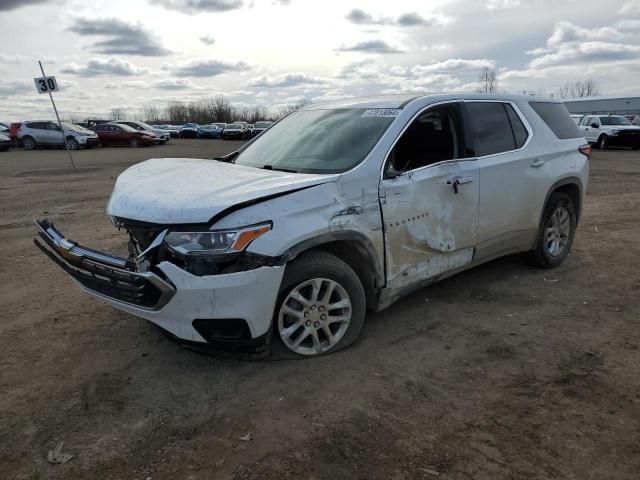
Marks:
<point>557,118</point>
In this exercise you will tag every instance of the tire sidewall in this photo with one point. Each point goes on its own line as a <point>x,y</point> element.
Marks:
<point>603,142</point>
<point>72,143</point>
<point>135,143</point>
<point>28,141</point>
<point>299,272</point>
<point>556,200</point>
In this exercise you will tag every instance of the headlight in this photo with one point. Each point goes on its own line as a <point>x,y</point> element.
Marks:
<point>216,242</point>
<point>615,132</point>
<point>146,136</point>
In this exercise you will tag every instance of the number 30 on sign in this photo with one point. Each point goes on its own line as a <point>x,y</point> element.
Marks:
<point>46,84</point>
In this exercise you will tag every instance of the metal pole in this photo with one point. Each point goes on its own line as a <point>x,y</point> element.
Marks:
<point>59,122</point>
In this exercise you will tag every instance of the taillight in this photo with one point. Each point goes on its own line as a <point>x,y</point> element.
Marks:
<point>585,150</point>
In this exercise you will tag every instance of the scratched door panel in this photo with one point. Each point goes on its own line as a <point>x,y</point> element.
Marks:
<point>430,229</point>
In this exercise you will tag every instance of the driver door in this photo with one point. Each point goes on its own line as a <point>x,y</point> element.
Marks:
<point>429,199</point>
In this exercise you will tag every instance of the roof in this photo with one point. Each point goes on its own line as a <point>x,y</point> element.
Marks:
<point>399,101</point>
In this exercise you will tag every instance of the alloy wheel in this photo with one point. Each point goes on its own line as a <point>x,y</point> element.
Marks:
<point>314,316</point>
<point>557,231</point>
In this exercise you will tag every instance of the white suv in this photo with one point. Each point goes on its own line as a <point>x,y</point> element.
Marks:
<point>610,131</point>
<point>284,244</point>
<point>45,133</point>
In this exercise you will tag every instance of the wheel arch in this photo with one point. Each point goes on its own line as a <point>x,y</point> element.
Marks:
<point>356,250</point>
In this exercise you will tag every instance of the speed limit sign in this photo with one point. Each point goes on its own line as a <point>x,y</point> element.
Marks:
<point>46,84</point>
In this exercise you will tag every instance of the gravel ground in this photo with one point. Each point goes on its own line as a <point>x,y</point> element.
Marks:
<point>504,371</point>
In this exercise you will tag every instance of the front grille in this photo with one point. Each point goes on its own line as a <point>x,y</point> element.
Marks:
<point>112,277</point>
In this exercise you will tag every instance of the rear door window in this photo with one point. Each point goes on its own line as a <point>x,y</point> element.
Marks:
<point>520,133</point>
<point>557,118</point>
<point>491,128</point>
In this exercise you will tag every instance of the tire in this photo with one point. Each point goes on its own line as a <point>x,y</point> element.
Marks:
<point>72,144</point>
<point>311,277</point>
<point>28,143</point>
<point>134,143</point>
<point>556,232</point>
<point>603,142</point>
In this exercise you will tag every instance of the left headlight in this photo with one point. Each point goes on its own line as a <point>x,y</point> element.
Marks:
<point>215,242</point>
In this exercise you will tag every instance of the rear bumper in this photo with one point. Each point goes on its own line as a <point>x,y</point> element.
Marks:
<point>208,311</point>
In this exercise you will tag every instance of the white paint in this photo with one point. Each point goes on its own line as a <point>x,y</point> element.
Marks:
<point>180,190</point>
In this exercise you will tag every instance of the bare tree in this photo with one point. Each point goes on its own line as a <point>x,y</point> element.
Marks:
<point>150,113</point>
<point>579,89</point>
<point>293,106</point>
<point>118,113</point>
<point>488,80</point>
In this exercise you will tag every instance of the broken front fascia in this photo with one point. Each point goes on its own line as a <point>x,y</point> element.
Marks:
<point>167,296</point>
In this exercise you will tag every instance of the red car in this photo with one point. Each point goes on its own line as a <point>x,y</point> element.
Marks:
<point>110,134</point>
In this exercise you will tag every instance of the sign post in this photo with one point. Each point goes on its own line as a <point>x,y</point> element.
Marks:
<point>48,85</point>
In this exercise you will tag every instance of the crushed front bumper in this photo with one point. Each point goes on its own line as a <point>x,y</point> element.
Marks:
<point>198,310</point>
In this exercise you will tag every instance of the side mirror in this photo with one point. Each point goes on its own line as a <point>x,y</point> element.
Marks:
<point>594,125</point>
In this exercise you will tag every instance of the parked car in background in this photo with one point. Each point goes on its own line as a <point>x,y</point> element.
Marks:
<point>260,127</point>
<point>636,120</point>
<point>5,142</point>
<point>284,244</point>
<point>162,136</point>
<point>610,131</point>
<point>174,130</point>
<point>235,131</point>
<point>114,134</point>
<point>209,131</point>
<point>189,130</point>
<point>577,118</point>
<point>44,133</point>
<point>220,125</point>
<point>4,127</point>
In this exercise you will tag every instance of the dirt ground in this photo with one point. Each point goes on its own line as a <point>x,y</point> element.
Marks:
<point>502,372</point>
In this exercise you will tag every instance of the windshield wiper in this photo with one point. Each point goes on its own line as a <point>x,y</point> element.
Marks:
<point>278,169</point>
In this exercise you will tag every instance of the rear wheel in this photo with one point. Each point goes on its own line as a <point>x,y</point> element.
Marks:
<point>603,142</point>
<point>321,307</point>
<point>28,143</point>
<point>557,230</point>
<point>135,143</point>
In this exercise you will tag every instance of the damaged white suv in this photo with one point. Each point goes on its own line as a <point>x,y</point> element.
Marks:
<point>338,208</point>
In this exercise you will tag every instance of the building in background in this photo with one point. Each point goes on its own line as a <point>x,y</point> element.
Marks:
<point>604,105</point>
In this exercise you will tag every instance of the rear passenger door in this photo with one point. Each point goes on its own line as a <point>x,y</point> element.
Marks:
<point>54,134</point>
<point>508,176</point>
<point>38,131</point>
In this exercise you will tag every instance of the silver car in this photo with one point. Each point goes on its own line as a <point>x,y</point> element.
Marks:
<point>46,133</point>
<point>284,245</point>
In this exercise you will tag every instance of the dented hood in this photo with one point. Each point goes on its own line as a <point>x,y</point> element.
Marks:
<point>184,190</point>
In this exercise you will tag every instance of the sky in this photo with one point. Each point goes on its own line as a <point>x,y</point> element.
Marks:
<point>130,53</point>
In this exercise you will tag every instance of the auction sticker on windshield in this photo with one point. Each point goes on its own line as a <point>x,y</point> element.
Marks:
<point>382,113</point>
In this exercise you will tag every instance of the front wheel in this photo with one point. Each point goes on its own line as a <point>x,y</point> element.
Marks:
<point>557,230</point>
<point>603,142</point>
<point>135,143</point>
<point>72,144</point>
<point>321,307</point>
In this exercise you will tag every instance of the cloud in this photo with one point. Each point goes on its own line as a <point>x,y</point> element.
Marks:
<point>358,16</point>
<point>99,66</point>
<point>630,7</point>
<point>502,4</point>
<point>134,84</point>
<point>286,80</point>
<point>6,5</point>
<point>370,46</point>
<point>120,37</point>
<point>174,84</point>
<point>205,68</point>
<point>8,58</point>
<point>193,7</point>
<point>208,39</point>
<point>15,87</point>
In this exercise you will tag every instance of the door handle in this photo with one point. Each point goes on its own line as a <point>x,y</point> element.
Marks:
<point>537,163</point>
<point>457,181</point>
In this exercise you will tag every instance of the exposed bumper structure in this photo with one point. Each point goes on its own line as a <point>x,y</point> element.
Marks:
<point>227,312</point>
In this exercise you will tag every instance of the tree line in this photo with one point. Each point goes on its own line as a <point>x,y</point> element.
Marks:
<point>209,110</point>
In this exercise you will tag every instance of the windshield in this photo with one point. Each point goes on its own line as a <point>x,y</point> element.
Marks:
<point>190,125</point>
<point>614,121</point>
<point>126,127</point>
<point>318,141</point>
<point>233,126</point>
<point>262,124</point>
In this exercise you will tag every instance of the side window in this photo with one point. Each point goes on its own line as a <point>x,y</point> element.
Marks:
<point>491,128</point>
<point>520,133</point>
<point>586,121</point>
<point>36,125</point>
<point>433,137</point>
<point>53,126</point>
<point>557,118</point>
